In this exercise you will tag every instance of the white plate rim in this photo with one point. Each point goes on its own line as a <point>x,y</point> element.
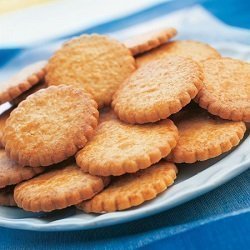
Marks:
<point>208,180</point>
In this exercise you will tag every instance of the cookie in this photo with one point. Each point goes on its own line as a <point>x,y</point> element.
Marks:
<point>226,90</point>
<point>149,40</point>
<point>3,117</point>
<point>196,51</point>
<point>24,95</point>
<point>50,126</point>
<point>12,173</point>
<point>59,188</point>
<point>203,136</point>
<point>157,90</point>
<point>95,63</point>
<point>118,148</point>
<point>132,189</point>
<point>22,81</point>
<point>7,196</point>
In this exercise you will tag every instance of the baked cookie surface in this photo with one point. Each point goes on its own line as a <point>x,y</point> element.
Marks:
<point>194,50</point>
<point>12,173</point>
<point>132,189</point>
<point>96,63</point>
<point>157,90</point>
<point>118,148</point>
<point>3,118</point>
<point>50,126</point>
<point>149,40</point>
<point>22,81</point>
<point>226,89</point>
<point>59,188</point>
<point>202,136</point>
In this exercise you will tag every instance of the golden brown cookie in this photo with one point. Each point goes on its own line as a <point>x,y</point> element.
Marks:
<point>50,126</point>
<point>203,136</point>
<point>194,50</point>
<point>132,189</point>
<point>7,196</point>
<point>118,148</point>
<point>226,90</point>
<point>24,95</point>
<point>3,117</point>
<point>149,40</point>
<point>22,81</point>
<point>59,188</point>
<point>12,173</point>
<point>157,90</point>
<point>96,63</point>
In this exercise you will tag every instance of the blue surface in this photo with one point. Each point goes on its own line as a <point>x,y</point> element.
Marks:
<point>209,234</point>
<point>217,220</point>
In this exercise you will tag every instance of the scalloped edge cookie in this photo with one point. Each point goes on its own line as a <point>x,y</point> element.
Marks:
<point>3,118</point>
<point>12,173</point>
<point>22,81</point>
<point>67,144</point>
<point>193,154</point>
<point>216,106</point>
<point>149,40</point>
<point>132,190</point>
<point>38,194</point>
<point>194,50</point>
<point>96,63</point>
<point>125,103</point>
<point>108,164</point>
<point>24,95</point>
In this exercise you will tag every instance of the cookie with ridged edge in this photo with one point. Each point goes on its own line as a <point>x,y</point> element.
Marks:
<point>57,189</point>
<point>226,89</point>
<point>3,118</point>
<point>12,173</point>
<point>50,126</point>
<point>24,95</point>
<point>157,90</point>
<point>118,148</point>
<point>149,40</point>
<point>194,50</point>
<point>96,63</point>
<point>7,196</point>
<point>22,81</point>
<point>132,189</point>
<point>203,136</point>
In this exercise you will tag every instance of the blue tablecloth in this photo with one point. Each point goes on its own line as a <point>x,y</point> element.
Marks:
<point>217,220</point>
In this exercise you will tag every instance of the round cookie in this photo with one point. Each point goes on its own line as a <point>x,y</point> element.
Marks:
<point>12,173</point>
<point>7,196</point>
<point>22,81</point>
<point>57,189</point>
<point>157,90</point>
<point>24,95</point>
<point>50,126</point>
<point>95,63</point>
<point>118,148</point>
<point>194,50</point>
<point>149,40</point>
<point>226,90</point>
<point>3,117</point>
<point>132,189</point>
<point>203,136</point>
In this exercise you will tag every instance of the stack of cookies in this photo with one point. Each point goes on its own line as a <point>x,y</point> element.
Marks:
<point>102,124</point>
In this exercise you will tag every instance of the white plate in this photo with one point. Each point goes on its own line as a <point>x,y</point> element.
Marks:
<point>192,181</point>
